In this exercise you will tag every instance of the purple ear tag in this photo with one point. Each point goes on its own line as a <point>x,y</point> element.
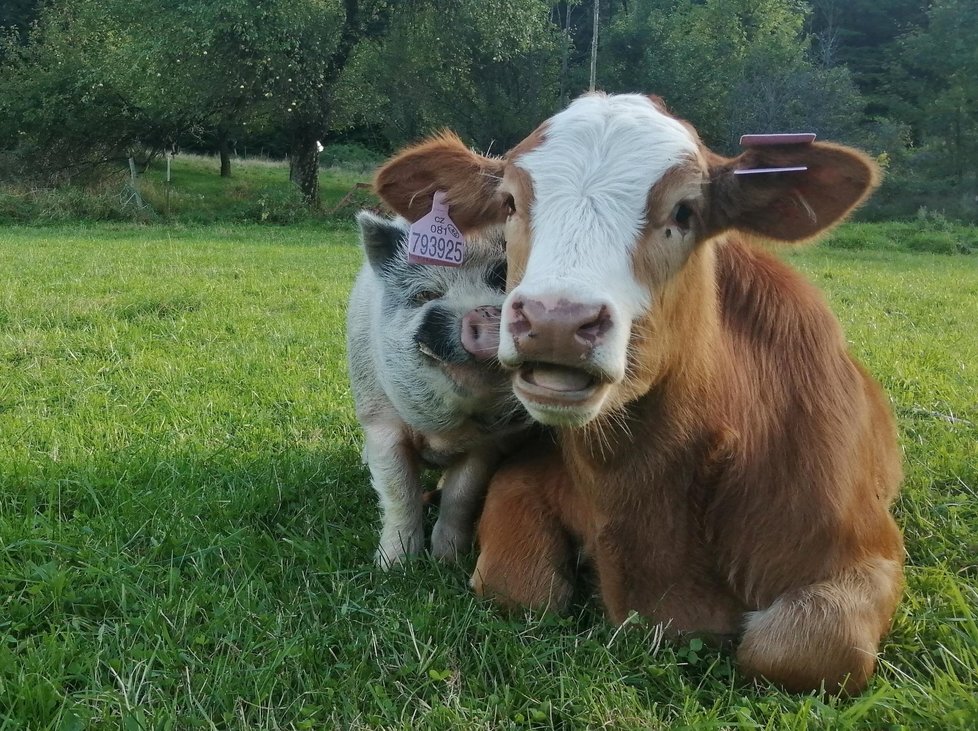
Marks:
<point>794,138</point>
<point>754,171</point>
<point>799,138</point>
<point>435,239</point>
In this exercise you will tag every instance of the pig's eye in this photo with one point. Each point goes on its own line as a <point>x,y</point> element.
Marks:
<point>425,295</point>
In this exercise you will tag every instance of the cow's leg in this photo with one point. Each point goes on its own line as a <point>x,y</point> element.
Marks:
<point>463,489</point>
<point>527,555</point>
<point>826,634</point>
<point>394,474</point>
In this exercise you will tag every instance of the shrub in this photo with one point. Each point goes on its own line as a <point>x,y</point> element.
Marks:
<point>279,205</point>
<point>349,157</point>
<point>104,202</point>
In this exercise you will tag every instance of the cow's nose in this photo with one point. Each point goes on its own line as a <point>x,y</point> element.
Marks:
<point>561,332</point>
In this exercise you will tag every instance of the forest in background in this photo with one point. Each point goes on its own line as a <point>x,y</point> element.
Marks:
<point>86,84</point>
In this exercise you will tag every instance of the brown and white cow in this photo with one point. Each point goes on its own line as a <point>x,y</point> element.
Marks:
<point>724,465</point>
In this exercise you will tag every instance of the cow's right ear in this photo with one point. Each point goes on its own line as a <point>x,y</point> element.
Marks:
<point>381,238</point>
<point>408,181</point>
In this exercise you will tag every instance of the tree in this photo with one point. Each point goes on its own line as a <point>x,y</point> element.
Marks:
<point>66,100</point>
<point>485,68</point>
<point>935,73</point>
<point>730,66</point>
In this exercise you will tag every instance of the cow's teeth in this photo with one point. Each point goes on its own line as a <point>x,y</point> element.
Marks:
<point>557,378</point>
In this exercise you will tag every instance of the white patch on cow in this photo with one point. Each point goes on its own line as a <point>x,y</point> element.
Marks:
<point>591,179</point>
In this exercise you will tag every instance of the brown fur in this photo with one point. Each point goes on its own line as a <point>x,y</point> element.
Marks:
<point>740,479</point>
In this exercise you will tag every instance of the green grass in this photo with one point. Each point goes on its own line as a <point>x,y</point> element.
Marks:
<point>258,191</point>
<point>186,531</point>
<point>198,193</point>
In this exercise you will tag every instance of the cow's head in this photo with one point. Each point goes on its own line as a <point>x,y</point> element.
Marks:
<point>604,206</point>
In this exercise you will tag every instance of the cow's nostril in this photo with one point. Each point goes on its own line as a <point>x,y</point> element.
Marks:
<point>519,324</point>
<point>590,332</point>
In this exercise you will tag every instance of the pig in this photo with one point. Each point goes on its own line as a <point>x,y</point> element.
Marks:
<point>428,391</point>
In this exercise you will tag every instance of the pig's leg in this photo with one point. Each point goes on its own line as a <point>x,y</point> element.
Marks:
<point>463,490</point>
<point>394,475</point>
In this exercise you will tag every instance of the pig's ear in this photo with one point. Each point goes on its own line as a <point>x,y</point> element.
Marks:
<point>381,238</point>
<point>788,206</point>
<point>408,181</point>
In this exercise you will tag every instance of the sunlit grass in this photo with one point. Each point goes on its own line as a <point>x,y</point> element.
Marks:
<point>186,530</point>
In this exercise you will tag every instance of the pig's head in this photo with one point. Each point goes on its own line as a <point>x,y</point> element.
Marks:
<point>440,323</point>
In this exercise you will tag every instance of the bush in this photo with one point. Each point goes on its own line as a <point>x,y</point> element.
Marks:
<point>279,205</point>
<point>104,202</point>
<point>349,157</point>
<point>905,192</point>
<point>931,233</point>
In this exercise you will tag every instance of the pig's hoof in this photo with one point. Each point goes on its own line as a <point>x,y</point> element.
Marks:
<point>447,543</point>
<point>396,549</point>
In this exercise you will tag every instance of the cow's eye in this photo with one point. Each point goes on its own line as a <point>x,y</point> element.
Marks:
<point>681,215</point>
<point>509,203</point>
<point>425,295</point>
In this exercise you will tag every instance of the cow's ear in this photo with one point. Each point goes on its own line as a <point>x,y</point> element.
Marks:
<point>408,181</point>
<point>381,238</point>
<point>788,206</point>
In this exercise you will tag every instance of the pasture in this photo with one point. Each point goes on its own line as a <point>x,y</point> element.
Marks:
<point>186,531</point>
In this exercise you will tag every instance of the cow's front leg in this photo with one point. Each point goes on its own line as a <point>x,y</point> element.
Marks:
<point>394,474</point>
<point>527,556</point>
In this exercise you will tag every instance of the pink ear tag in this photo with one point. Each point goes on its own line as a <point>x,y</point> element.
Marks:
<point>755,171</point>
<point>435,239</point>
<point>765,140</point>
<point>793,138</point>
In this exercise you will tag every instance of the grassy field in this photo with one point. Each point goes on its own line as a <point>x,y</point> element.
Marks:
<point>258,191</point>
<point>186,531</point>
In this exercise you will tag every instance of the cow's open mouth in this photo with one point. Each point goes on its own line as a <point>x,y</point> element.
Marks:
<point>555,383</point>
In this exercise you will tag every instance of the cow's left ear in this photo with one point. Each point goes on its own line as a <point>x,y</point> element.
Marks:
<point>788,206</point>
<point>408,182</point>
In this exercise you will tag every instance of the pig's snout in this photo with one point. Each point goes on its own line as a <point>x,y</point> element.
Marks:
<point>480,332</point>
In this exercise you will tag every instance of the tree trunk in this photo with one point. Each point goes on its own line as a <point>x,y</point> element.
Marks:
<point>304,164</point>
<point>224,148</point>
<point>565,57</point>
<point>594,48</point>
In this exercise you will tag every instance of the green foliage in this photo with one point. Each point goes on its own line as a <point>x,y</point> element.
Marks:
<point>730,68</point>
<point>350,157</point>
<point>938,72</point>
<point>66,98</point>
<point>485,69</point>
<point>931,232</point>
<point>278,205</point>
<point>107,201</point>
<point>91,81</point>
<point>186,528</point>
<point>259,192</point>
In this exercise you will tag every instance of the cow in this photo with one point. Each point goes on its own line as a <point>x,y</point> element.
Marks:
<point>723,464</point>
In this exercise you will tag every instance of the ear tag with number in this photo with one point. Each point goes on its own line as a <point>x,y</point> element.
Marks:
<point>435,239</point>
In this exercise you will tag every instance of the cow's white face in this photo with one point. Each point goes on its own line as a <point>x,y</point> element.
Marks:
<point>585,215</point>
